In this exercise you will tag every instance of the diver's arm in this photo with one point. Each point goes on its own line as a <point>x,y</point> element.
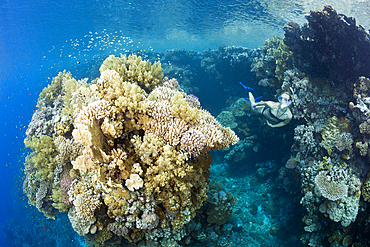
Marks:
<point>269,104</point>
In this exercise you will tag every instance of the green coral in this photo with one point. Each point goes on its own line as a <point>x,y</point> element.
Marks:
<point>366,189</point>
<point>333,127</point>
<point>227,119</point>
<point>220,205</point>
<point>274,60</point>
<point>283,57</point>
<point>53,90</point>
<point>133,69</point>
<point>57,198</point>
<point>44,156</point>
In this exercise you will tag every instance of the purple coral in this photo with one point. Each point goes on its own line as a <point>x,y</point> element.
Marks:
<point>65,185</point>
<point>193,142</point>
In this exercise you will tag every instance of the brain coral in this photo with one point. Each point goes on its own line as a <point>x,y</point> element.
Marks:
<point>137,148</point>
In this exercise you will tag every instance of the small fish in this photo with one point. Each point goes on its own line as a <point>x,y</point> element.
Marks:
<point>245,87</point>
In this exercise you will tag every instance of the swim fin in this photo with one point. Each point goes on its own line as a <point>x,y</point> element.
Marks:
<point>245,87</point>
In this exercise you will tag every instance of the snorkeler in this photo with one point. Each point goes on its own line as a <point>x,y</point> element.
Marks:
<point>277,114</point>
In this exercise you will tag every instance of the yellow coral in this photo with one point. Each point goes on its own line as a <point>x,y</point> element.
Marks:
<point>57,198</point>
<point>134,69</point>
<point>86,205</point>
<point>333,127</point>
<point>97,110</point>
<point>92,139</point>
<point>181,109</point>
<point>149,148</point>
<point>108,128</point>
<point>49,94</point>
<point>76,94</point>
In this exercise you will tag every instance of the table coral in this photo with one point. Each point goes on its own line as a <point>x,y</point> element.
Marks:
<point>329,188</point>
<point>135,157</point>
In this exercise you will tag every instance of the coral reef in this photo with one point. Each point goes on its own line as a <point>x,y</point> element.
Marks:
<point>319,42</point>
<point>220,204</point>
<point>127,154</point>
<point>134,158</point>
<point>272,62</point>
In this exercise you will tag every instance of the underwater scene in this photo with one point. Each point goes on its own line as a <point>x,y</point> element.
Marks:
<point>185,123</point>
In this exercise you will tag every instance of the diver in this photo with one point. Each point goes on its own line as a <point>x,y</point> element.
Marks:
<point>277,114</point>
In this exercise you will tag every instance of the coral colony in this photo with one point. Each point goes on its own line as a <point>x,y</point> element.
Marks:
<point>126,155</point>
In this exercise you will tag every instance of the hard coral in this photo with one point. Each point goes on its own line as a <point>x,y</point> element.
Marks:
<point>134,182</point>
<point>85,205</point>
<point>330,189</point>
<point>134,69</point>
<point>144,160</point>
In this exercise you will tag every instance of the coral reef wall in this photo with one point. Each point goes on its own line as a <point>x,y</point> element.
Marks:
<point>328,79</point>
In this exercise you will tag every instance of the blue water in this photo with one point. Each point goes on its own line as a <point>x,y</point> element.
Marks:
<point>40,38</point>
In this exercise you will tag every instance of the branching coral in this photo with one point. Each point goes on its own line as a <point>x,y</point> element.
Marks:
<point>85,205</point>
<point>119,230</point>
<point>149,220</point>
<point>67,150</point>
<point>134,69</point>
<point>65,185</point>
<point>296,82</point>
<point>97,110</point>
<point>193,142</point>
<point>80,225</point>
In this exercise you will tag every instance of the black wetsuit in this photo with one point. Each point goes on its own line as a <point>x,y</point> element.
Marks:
<point>276,119</point>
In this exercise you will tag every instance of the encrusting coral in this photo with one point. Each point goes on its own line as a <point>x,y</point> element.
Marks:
<point>135,156</point>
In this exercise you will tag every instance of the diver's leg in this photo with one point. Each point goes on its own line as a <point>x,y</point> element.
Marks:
<point>258,109</point>
<point>251,99</point>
